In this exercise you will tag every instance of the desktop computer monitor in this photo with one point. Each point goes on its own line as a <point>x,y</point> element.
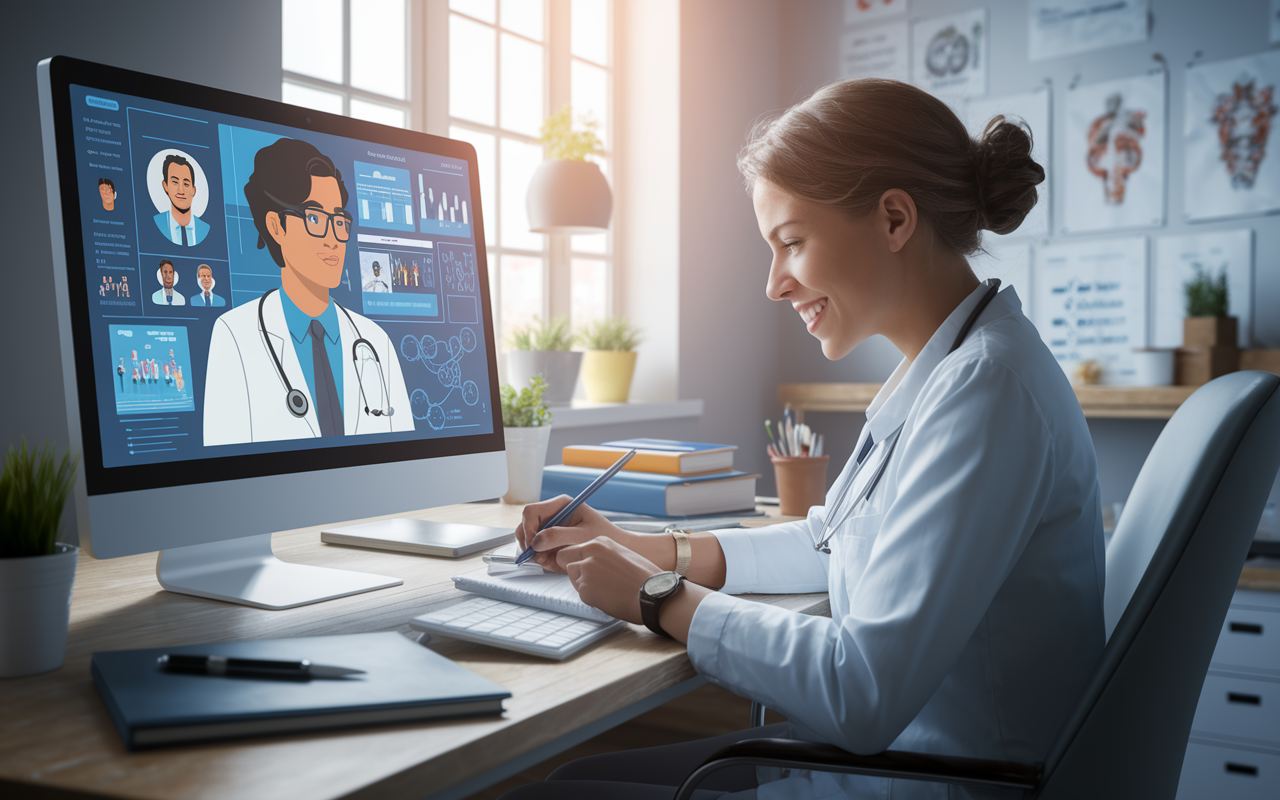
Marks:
<point>270,317</point>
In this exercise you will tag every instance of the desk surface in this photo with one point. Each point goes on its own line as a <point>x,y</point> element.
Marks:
<point>57,740</point>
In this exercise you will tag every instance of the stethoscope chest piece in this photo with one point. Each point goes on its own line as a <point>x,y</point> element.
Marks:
<point>297,402</point>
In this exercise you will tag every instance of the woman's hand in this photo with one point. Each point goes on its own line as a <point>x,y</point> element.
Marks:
<point>607,575</point>
<point>583,526</point>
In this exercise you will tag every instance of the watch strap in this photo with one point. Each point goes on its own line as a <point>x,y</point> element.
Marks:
<point>650,607</point>
<point>684,551</point>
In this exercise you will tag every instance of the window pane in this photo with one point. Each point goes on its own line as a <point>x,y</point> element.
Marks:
<point>376,112</point>
<point>377,46</point>
<point>471,70</point>
<point>521,290</point>
<point>589,30</point>
<point>305,96</point>
<point>480,9</point>
<point>312,38</point>
<point>588,290</point>
<point>589,94</point>
<point>519,160</point>
<point>521,85</point>
<point>483,143</point>
<point>524,17</point>
<point>591,243</point>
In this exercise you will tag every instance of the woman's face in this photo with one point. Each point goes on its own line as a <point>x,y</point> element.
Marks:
<point>834,268</point>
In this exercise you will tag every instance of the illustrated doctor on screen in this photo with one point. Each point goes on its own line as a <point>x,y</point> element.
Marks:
<point>294,364</point>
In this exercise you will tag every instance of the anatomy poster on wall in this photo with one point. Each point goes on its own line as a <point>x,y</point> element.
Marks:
<point>857,12</point>
<point>879,52</point>
<point>1175,262</point>
<point>1032,108</point>
<point>949,54</point>
<point>1059,28</point>
<point>1091,303</point>
<point>1232,158</point>
<point>1112,163</point>
<point>1010,261</point>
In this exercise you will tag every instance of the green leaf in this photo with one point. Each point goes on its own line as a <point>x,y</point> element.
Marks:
<point>610,333</point>
<point>1206,294</point>
<point>34,488</point>
<point>526,408</point>
<point>563,142</point>
<point>539,335</point>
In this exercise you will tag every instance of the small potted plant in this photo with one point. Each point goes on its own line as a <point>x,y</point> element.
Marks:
<point>543,348</point>
<point>568,193</point>
<point>36,570</point>
<point>610,360</point>
<point>526,426</point>
<point>1210,345</point>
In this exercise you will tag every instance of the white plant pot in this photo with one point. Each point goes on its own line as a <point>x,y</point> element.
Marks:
<point>526,455</point>
<point>35,607</point>
<point>559,368</point>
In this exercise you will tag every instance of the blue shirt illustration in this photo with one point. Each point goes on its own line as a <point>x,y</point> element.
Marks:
<point>179,224</point>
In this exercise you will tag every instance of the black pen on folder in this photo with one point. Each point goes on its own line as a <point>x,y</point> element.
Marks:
<point>568,510</point>
<point>251,667</point>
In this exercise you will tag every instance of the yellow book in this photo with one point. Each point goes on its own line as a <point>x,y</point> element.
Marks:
<point>661,456</point>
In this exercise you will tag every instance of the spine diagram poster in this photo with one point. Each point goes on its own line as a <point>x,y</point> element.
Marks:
<point>1232,161</point>
<point>857,12</point>
<point>1175,262</point>
<point>878,52</point>
<point>1010,261</point>
<point>1058,28</point>
<point>1112,163</point>
<point>949,54</point>
<point>1091,303</point>
<point>1034,109</point>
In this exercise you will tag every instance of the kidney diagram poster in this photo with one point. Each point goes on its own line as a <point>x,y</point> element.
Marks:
<point>1232,157</point>
<point>1112,165</point>
<point>1032,108</point>
<point>1091,303</point>
<point>1175,262</point>
<point>949,54</point>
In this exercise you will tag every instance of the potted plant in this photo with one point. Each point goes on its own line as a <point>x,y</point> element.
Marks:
<point>568,193</point>
<point>543,348</point>
<point>36,570</point>
<point>610,359</point>
<point>526,425</point>
<point>1210,346</point>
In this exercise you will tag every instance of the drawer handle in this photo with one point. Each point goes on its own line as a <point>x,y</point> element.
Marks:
<point>1242,769</point>
<point>1247,699</point>
<point>1246,627</point>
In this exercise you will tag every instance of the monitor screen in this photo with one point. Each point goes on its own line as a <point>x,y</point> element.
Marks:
<point>258,289</point>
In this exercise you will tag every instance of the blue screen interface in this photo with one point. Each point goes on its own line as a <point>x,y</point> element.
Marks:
<point>259,288</point>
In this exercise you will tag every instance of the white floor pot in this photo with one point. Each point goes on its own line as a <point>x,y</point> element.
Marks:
<point>559,368</point>
<point>526,455</point>
<point>35,607</point>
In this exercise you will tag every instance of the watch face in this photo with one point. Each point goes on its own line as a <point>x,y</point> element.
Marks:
<point>661,584</point>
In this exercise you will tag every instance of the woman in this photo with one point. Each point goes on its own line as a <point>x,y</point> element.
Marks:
<point>965,563</point>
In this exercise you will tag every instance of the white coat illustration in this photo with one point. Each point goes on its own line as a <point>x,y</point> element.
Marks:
<point>245,395</point>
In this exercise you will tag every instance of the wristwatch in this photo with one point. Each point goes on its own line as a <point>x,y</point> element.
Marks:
<point>653,593</point>
<point>684,552</point>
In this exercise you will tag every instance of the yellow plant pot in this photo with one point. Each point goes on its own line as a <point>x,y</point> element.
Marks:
<point>606,375</point>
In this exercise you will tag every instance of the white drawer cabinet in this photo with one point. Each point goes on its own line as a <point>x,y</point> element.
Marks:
<point>1234,751</point>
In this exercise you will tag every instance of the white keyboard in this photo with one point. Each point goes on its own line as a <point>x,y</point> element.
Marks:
<point>515,627</point>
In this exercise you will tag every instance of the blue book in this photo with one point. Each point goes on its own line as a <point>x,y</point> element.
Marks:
<point>655,494</point>
<point>403,682</point>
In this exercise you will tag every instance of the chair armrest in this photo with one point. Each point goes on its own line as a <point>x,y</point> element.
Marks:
<point>794,754</point>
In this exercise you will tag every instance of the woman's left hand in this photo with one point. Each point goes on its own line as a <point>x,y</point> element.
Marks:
<point>607,575</point>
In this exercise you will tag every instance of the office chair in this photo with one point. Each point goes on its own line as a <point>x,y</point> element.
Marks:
<point>1172,568</point>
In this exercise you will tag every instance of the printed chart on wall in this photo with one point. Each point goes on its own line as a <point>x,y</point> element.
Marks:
<point>1232,165</point>
<point>1010,261</point>
<point>950,54</point>
<point>1091,301</point>
<point>876,52</point>
<point>1112,163</point>
<point>1058,28</point>
<point>857,12</point>
<point>1032,108</point>
<point>1177,260</point>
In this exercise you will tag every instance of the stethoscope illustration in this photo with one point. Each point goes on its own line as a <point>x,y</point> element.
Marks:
<point>295,400</point>
<point>872,468</point>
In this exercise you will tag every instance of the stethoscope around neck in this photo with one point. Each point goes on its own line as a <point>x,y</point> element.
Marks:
<point>295,400</point>
<point>869,471</point>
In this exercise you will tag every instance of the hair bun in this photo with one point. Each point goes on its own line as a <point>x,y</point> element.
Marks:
<point>1006,175</point>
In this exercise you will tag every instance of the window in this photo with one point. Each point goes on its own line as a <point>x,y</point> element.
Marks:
<point>510,63</point>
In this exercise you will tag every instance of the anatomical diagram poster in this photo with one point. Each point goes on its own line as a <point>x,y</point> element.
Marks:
<point>1232,160</point>
<point>1033,109</point>
<point>1112,164</point>
<point>950,54</point>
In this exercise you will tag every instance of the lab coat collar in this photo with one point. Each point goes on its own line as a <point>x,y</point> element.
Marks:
<point>300,324</point>
<point>893,402</point>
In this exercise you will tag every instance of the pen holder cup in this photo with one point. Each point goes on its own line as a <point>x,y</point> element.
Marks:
<point>802,483</point>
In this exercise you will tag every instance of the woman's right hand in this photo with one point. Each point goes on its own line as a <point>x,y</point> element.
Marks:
<point>584,525</point>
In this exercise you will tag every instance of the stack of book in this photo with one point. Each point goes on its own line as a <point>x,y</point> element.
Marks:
<point>666,478</point>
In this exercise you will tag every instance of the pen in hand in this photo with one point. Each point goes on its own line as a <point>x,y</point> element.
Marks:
<point>568,510</point>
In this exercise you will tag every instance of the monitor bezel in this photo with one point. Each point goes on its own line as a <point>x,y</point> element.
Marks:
<point>65,72</point>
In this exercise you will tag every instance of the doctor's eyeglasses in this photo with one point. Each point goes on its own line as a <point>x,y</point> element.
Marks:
<point>317,221</point>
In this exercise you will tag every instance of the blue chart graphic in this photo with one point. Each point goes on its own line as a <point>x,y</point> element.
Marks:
<point>441,358</point>
<point>458,268</point>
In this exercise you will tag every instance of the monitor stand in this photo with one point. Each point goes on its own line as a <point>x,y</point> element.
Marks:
<point>245,571</point>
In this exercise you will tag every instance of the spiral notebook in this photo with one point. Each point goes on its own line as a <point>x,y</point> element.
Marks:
<point>550,591</point>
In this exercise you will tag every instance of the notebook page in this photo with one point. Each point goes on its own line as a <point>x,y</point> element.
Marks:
<point>549,591</point>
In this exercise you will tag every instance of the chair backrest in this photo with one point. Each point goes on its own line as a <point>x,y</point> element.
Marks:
<point>1172,568</point>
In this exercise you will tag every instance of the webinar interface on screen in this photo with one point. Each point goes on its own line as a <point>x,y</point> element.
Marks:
<point>357,260</point>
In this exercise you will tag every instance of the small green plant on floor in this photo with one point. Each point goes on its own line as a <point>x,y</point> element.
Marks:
<point>554,334</point>
<point>525,409</point>
<point>1206,293</point>
<point>33,490</point>
<point>610,333</point>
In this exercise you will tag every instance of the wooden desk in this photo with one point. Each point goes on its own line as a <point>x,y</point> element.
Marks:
<point>57,740</point>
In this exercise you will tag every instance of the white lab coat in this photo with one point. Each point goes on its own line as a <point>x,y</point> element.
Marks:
<point>245,395</point>
<point>966,592</point>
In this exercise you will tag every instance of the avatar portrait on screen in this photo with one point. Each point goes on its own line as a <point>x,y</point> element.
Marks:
<point>180,223</point>
<point>294,363</point>
<point>107,190</point>
<point>205,296</point>
<point>168,277</point>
